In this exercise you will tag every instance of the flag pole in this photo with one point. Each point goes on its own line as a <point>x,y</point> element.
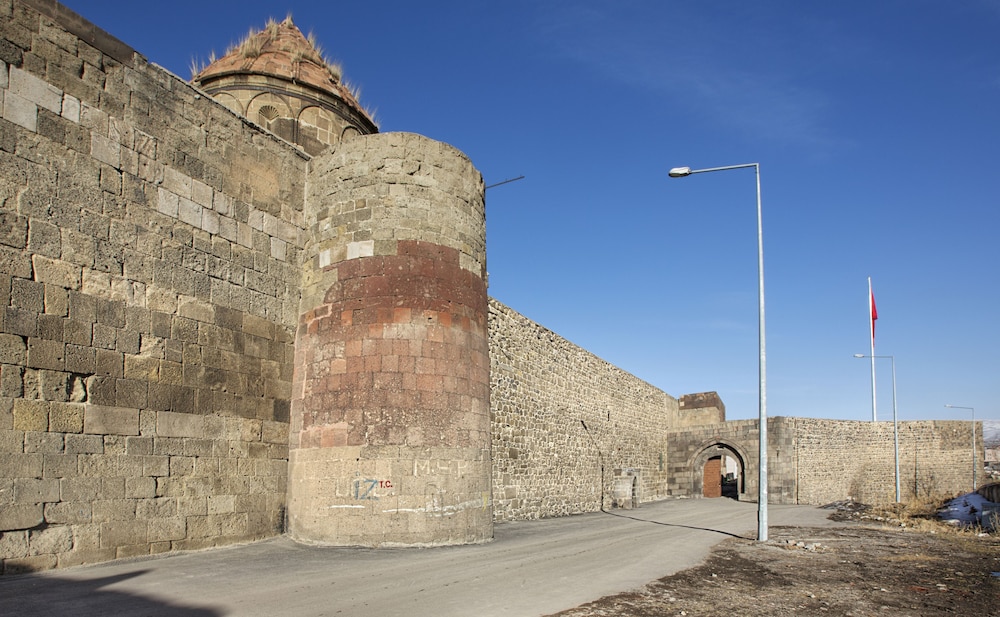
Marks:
<point>871,323</point>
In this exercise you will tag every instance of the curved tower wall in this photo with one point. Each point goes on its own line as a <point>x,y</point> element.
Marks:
<point>390,421</point>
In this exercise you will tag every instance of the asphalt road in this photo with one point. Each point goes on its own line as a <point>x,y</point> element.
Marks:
<point>531,568</point>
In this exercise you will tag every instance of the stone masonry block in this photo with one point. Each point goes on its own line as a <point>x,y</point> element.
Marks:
<point>20,111</point>
<point>19,321</point>
<point>56,539</point>
<point>110,363</point>
<point>84,444</point>
<point>66,417</point>
<point>56,301</point>
<point>12,349</point>
<point>31,415</point>
<point>35,89</point>
<point>11,385</point>
<point>15,262</point>
<point>101,420</point>
<point>27,295</point>
<point>111,313</point>
<point>71,108</point>
<point>50,327</point>
<point>14,544</point>
<point>167,529</point>
<point>36,490</point>
<point>82,307</point>
<point>21,516</point>
<point>189,212</point>
<point>50,443</point>
<point>123,533</point>
<point>44,238</point>
<point>13,230</point>
<point>80,359</point>
<point>46,354</point>
<point>105,150</point>
<point>144,489</point>
<point>100,390</point>
<point>68,513</point>
<point>59,465</point>
<point>167,203</point>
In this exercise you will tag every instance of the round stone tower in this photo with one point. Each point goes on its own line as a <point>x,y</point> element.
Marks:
<point>390,416</point>
<point>277,78</point>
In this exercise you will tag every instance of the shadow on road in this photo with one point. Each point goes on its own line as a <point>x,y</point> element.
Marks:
<point>644,520</point>
<point>29,595</point>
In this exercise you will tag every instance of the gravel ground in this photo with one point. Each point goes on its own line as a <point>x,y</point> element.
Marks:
<point>863,568</point>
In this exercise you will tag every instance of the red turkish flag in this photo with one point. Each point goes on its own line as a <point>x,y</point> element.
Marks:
<point>874,314</point>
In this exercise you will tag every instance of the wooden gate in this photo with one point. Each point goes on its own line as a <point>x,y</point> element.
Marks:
<point>712,478</point>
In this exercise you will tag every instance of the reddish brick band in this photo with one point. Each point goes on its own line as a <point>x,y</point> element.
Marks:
<point>398,353</point>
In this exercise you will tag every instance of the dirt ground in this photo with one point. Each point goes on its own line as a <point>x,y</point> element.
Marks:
<point>865,567</point>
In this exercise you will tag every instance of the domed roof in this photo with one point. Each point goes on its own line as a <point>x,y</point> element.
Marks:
<point>280,50</point>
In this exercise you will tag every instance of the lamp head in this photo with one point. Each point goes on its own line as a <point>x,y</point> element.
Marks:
<point>859,355</point>
<point>680,172</point>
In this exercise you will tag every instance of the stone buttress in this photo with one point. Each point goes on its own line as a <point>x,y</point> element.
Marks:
<point>390,420</point>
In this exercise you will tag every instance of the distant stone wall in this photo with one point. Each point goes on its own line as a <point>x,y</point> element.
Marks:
<point>149,241</point>
<point>839,459</point>
<point>562,415</point>
<point>815,461</point>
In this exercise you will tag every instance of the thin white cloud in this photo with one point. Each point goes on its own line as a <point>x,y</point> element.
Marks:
<point>693,66</point>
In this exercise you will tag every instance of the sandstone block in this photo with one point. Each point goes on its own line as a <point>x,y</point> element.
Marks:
<point>105,150</point>
<point>70,108</point>
<point>167,529</point>
<point>31,415</point>
<point>79,489</point>
<point>66,417</point>
<point>103,420</point>
<point>35,89</point>
<point>57,539</point>
<point>44,238</point>
<point>27,294</point>
<point>171,424</point>
<point>20,516</point>
<point>12,349</point>
<point>20,322</point>
<point>20,111</point>
<point>35,490</point>
<point>123,533</point>
<point>15,262</point>
<point>46,354</point>
<point>57,301</point>
<point>14,544</point>
<point>59,465</point>
<point>13,230</point>
<point>26,565</point>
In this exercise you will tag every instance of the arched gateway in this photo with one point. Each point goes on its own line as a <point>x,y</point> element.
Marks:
<point>719,470</point>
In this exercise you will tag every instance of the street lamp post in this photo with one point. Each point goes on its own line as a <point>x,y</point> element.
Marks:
<point>895,420</point>
<point>680,172</point>
<point>973,410</point>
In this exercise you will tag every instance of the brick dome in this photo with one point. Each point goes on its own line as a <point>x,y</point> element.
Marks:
<point>278,78</point>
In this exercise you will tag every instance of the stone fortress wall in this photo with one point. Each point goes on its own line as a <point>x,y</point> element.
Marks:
<point>818,461</point>
<point>197,350</point>
<point>567,426</point>
<point>149,248</point>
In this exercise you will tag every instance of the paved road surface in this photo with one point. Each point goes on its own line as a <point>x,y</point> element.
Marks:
<point>531,568</point>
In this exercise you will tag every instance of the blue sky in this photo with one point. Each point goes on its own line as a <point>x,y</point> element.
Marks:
<point>875,125</point>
